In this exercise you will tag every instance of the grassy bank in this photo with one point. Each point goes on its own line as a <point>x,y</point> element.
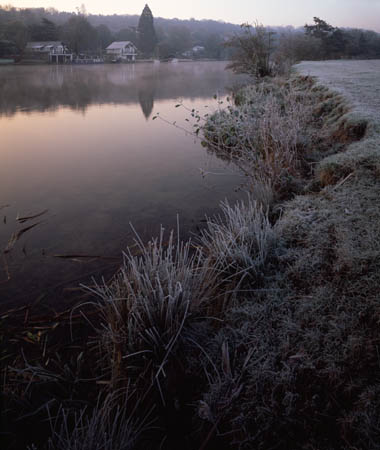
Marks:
<point>262,332</point>
<point>312,323</point>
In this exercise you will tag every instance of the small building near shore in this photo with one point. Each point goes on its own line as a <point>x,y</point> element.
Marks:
<point>51,51</point>
<point>9,52</point>
<point>122,51</point>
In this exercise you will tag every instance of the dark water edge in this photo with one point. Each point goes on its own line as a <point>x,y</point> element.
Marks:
<point>80,143</point>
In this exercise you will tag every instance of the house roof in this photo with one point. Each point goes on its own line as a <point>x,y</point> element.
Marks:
<point>38,45</point>
<point>119,44</point>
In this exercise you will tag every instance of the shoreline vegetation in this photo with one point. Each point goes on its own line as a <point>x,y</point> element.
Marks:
<point>261,333</point>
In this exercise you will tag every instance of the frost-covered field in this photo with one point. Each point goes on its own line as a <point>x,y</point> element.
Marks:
<point>359,81</point>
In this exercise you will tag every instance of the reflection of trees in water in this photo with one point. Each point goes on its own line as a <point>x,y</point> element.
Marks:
<point>146,100</point>
<point>45,88</point>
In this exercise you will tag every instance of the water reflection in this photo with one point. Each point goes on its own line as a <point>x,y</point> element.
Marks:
<point>146,100</point>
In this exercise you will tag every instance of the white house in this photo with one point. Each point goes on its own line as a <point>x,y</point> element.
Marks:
<point>53,51</point>
<point>122,51</point>
<point>197,50</point>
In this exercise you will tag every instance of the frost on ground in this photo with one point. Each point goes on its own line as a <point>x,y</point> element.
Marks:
<point>359,81</point>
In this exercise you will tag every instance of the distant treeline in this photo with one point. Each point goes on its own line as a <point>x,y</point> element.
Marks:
<point>321,40</point>
<point>91,33</point>
<point>84,32</point>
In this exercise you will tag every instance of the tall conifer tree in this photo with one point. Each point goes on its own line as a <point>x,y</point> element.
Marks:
<point>147,38</point>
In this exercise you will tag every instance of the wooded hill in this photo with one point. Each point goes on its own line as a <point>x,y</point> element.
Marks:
<point>93,33</point>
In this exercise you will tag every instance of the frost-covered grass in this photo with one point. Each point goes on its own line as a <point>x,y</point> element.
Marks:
<point>264,135</point>
<point>151,309</point>
<point>240,240</point>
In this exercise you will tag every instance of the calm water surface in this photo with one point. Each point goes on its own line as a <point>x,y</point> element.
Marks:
<point>80,142</point>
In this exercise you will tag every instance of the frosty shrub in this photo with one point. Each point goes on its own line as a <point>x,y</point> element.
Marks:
<point>264,134</point>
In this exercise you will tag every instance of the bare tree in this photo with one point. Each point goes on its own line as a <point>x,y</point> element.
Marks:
<point>253,50</point>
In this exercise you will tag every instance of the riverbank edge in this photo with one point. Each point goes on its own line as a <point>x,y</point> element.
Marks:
<point>338,180</point>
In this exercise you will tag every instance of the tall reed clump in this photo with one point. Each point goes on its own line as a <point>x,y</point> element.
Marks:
<point>240,239</point>
<point>264,133</point>
<point>151,311</point>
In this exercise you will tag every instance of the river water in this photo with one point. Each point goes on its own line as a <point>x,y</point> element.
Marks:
<point>79,143</point>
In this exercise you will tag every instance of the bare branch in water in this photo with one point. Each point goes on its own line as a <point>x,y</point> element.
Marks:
<point>26,218</point>
<point>16,236</point>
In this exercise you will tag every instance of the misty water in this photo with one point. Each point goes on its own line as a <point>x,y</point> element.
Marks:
<point>80,142</point>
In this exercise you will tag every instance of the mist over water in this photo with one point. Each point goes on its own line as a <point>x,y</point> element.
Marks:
<point>48,88</point>
<point>80,142</point>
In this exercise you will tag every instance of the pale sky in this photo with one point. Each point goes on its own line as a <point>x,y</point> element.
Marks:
<point>341,13</point>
